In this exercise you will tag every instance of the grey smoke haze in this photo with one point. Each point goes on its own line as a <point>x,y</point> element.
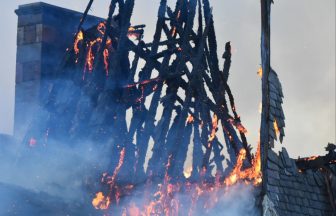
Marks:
<point>303,54</point>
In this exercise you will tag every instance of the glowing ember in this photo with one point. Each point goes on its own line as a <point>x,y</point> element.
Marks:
<point>90,57</point>
<point>106,56</point>
<point>132,33</point>
<point>174,28</point>
<point>238,125</point>
<point>155,87</point>
<point>79,37</point>
<point>311,158</point>
<point>140,99</point>
<point>190,119</point>
<point>174,31</point>
<point>131,28</point>
<point>117,169</point>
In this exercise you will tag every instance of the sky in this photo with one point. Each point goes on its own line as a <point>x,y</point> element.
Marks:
<point>302,53</point>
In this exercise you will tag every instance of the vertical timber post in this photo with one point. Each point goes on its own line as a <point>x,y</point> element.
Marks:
<point>265,61</point>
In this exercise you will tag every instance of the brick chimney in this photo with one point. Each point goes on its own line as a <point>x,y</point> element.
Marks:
<point>44,32</point>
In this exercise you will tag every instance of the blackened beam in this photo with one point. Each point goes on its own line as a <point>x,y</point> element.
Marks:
<point>150,119</point>
<point>160,137</point>
<point>82,20</point>
<point>316,162</point>
<point>197,150</point>
<point>173,150</point>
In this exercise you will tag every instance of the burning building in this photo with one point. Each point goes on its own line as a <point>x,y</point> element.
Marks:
<point>148,103</point>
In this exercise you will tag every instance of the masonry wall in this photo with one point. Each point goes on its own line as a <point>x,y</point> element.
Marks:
<point>44,32</point>
<point>293,192</point>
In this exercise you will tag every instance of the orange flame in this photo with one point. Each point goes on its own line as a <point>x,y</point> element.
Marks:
<point>173,31</point>
<point>276,128</point>
<point>132,32</point>
<point>260,72</point>
<point>311,158</point>
<point>117,169</point>
<point>90,57</point>
<point>214,128</point>
<point>79,37</point>
<point>101,202</point>
<point>251,175</point>
<point>174,28</point>
<point>190,119</point>
<point>238,125</point>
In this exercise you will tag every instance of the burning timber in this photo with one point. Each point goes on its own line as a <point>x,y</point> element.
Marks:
<point>106,82</point>
<point>126,97</point>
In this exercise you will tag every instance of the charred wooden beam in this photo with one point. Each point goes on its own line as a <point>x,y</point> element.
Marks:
<point>317,162</point>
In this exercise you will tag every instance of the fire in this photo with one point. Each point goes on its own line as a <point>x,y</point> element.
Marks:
<point>311,158</point>
<point>252,174</point>
<point>238,125</point>
<point>92,47</point>
<point>89,61</point>
<point>276,128</point>
<point>260,72</point>
<point>90,57</point>
<point>101,202</point>
<point>190,119</point>
<point>79,37</point>
<point>165,200</point>
<point>174,31</point>
<point>117,169</point>
<point>132,32</point>
<point>187,172</point>
<point>131,28</point>
<point>173,34</point>
<point>214,128</point>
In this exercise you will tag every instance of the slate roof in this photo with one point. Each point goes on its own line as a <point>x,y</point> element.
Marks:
<point>276,113</point>
<point>297,193</point>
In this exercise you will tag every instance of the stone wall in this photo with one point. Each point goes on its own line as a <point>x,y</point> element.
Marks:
<point>294,192</point>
